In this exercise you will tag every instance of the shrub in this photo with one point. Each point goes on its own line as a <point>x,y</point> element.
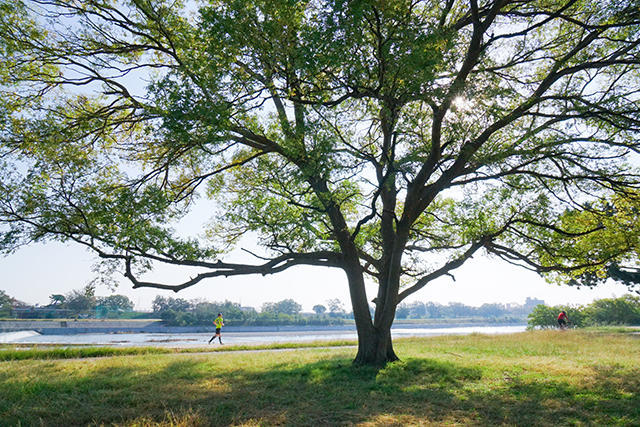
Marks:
<point>545,317</point>
<point>614,311</point>
<point>609,311</point>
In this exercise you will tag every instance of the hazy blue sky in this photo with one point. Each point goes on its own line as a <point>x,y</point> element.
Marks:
<point>35,272</point>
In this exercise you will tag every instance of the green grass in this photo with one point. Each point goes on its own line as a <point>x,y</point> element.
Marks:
<point>532,378</point>
<point>55,351</point>
<point>613,329</point>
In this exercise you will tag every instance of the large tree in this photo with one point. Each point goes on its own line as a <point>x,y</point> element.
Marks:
<point>390,139</point>
<point>115,303</point>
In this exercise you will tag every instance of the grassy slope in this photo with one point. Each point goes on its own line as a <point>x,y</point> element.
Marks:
<point>533,378</point>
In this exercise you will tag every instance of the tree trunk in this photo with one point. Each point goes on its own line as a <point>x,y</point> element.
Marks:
<point>374,340</point>
<point>375,347</point>
<point>374,344</point>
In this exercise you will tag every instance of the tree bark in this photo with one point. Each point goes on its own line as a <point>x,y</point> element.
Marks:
<point>375,347</point>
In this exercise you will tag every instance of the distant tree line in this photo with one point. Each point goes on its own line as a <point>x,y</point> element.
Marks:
<point>456,310</point>
<point>181,312</point>
<point>77,303</point>
<point>173,311</point>
<point>609,311</point>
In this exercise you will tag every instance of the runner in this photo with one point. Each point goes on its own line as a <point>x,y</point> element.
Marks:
<point>219,324</point>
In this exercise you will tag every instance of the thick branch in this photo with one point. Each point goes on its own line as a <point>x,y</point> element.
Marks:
<point>221,269</point>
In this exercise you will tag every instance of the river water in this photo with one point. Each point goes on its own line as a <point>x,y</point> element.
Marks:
<point>268,336</point>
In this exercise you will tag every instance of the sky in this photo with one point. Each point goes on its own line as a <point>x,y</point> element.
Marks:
<point>33,273</point>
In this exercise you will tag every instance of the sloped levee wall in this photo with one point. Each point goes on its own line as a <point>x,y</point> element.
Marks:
<point>63,327</point>
<point>7,337</point>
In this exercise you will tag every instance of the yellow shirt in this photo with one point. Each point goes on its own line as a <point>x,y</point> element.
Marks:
<point>218,322</point>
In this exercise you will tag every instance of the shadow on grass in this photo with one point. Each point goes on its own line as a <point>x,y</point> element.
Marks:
<point>327,392</point>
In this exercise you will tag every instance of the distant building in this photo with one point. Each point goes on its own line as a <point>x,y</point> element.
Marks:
<point>533,302</point>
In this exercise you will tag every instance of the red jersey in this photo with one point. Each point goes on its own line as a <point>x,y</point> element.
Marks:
<point>562,316</point>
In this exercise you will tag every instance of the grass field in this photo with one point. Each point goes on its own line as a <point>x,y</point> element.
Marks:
<point>532,378</point>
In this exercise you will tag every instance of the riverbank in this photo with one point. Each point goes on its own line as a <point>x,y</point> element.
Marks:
<point>75,326</point>
<point>246,336</point>
<point>530,378</point>
<point>107,326</point>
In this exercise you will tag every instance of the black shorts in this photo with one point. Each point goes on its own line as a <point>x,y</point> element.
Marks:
<point>217,331</point>
<point>562,322</point>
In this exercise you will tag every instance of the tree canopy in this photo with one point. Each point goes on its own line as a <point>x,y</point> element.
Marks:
<point>286,306</point>
<point>391,139</point>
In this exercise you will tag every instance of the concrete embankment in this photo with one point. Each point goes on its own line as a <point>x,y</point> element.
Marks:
<point>63,327</point>
<point>13,336</point>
